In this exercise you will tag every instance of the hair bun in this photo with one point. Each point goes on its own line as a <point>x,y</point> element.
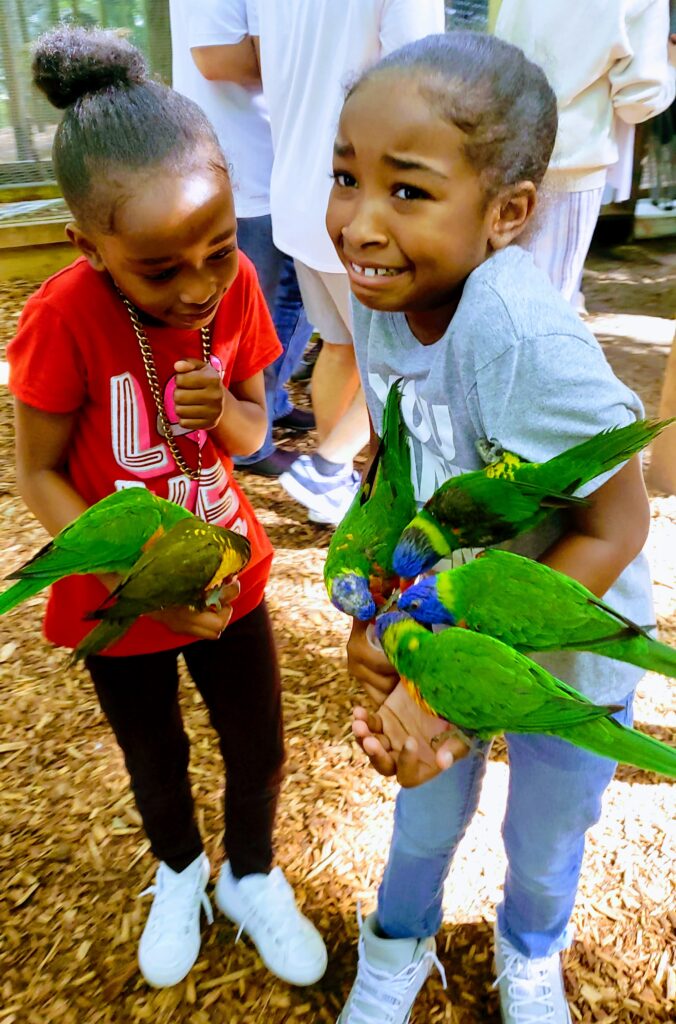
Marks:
<point>69,63</point>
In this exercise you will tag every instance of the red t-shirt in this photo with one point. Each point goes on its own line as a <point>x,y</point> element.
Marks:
<point>75,352</point>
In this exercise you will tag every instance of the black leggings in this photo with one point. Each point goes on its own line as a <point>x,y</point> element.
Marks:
<point>238,678</point>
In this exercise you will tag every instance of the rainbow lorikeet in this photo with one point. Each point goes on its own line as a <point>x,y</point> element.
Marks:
<point>108,536</point>
<point>491,505</point>
<point>486,688</point>
<point>358,569</point>
<point>532,608</point>
<point>185,567</point>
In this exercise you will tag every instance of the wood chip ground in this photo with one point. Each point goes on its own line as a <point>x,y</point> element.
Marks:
<point>73,854</point>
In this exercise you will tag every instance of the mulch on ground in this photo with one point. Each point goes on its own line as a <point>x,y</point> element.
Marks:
<point>74,857</point>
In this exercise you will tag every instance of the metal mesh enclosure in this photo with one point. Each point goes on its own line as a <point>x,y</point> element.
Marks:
<point>27,121</point>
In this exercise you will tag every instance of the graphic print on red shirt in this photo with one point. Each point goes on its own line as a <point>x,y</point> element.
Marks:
<point>75,353</point>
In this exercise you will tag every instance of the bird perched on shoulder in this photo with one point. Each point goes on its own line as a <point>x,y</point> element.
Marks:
<point>358,570</point>
<point>109,536</point>
<point>487,506</point>
<point>185,567</point>
<point>531,607</point>
<point>486,688</point>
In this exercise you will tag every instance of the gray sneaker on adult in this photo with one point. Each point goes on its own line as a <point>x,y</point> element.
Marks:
<point>390,974</point>
<point>531,988</point>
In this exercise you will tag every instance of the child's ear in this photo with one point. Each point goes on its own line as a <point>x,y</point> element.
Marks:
<point>511,212</point>
<point>86,244</point>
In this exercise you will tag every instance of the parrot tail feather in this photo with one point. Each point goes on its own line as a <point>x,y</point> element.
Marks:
<point>642,651</point>
<point>100,638</point>
<point>608,738</point>
<point>19,591</point>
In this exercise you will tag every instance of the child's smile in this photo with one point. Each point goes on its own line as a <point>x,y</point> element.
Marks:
<point>407,212</point>
<point>173,248</point>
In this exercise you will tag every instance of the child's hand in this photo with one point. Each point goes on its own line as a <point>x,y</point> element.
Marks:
<point>399,739</point>
<point>369,665</point>
<point>207,625</point>
<point>199,397</point>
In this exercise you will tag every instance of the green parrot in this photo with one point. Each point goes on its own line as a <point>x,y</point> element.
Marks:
<point>490,505</point>
<point>185,567</point>
<point>531,607</point>
<point>486,688</point>
<point>358,569</point>
<point>107,537</point>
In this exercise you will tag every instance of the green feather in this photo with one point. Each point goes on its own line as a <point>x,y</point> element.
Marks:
<point>179,570</point>
<point>491,505</point>
<point>107,537</point>
<point>487,688</point>
<point>531,607</point>
<point>364,541</point>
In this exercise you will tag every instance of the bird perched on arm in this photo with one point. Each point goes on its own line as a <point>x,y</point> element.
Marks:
<point>107,537</point>
<point>531,607</point>
<point>185,567</point>
<point>358,570</point>
<point>486,688</point>
<point>487,506</point>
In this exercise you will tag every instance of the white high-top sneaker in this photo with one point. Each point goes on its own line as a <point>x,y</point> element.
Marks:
<point>531,989</point>
<point>265,908</point>
<point>390,973</point>
<point>170,943</point>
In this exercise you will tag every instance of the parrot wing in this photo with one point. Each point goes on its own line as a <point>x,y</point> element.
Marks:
<point>598,454</point>
<point>485,686</point>
<point>531,606</point>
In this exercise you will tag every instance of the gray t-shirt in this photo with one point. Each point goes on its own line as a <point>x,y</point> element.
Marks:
<point>517,368</point>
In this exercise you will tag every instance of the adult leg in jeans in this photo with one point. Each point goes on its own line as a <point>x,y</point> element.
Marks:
<point>277,277</point>
<point>429,822</point>
<point>555,792</point>
<point>139,697</point>
<point>238,678</point>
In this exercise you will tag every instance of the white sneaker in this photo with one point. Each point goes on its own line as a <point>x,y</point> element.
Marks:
<point>264,907</point>
<point>531,990</point>
<point>390,973</point>
<point>170,942</point>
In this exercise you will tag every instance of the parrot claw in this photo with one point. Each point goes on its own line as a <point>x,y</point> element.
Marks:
<point>453,732</point>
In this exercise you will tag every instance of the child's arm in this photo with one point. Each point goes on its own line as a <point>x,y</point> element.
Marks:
<point>237,415</point>
<point>42,441</point>
<point>607,536</point>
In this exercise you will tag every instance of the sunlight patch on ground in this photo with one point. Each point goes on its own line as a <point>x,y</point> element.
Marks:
<point>648,330</point>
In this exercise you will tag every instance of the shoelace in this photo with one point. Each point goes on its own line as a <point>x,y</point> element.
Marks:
<point>181,898</point>
<point>274,907</point>
<point>521,990</point>
<point>369,984</point>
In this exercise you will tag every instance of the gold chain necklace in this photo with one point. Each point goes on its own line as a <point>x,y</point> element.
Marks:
<point>153,384</point>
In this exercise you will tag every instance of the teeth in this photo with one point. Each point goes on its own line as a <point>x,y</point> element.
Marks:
<point>374,271</point>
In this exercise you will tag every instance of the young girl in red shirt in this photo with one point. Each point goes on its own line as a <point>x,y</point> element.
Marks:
<point>142,364</point>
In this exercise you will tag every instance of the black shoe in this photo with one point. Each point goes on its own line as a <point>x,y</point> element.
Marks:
<point>273,465</point>
<point>298,420</point>
<point>308,360</point>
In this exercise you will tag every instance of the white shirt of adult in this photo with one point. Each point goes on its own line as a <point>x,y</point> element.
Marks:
<point>239,116</point>
<point>310,52</point>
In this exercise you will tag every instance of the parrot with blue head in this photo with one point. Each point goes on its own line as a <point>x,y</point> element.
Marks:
<point>486,688</point>
<point>358,570</point>
<point>494,504</point>
<point>532,608</point>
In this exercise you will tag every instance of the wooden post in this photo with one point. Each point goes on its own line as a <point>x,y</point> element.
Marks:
<point>662,471</point>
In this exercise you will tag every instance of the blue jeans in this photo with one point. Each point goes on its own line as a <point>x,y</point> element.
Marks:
<point>277,278</point>
<point>554,796</point>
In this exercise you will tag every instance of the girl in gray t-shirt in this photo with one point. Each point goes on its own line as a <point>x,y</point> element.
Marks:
<point>438,157</point>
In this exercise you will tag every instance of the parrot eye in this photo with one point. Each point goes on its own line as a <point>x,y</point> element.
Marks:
<point>415,603</point>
